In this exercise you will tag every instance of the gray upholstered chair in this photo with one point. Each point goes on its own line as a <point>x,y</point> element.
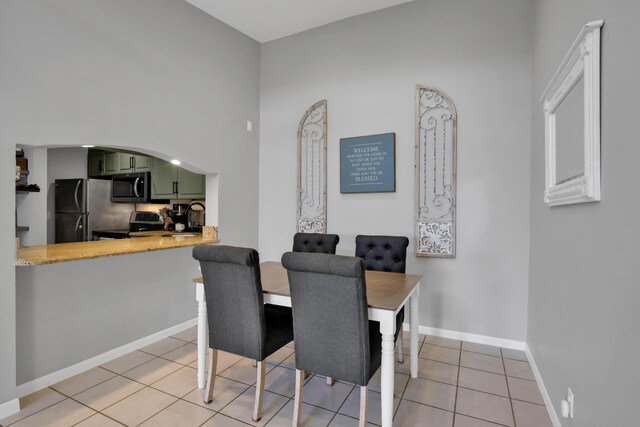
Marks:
<point>385,253</point>
<point>333,335</point>
<point>315,243</point>
<point>239,321</point>
<point>318,243</point>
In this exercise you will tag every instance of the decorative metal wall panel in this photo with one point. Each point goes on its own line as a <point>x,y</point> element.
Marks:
<point>312,170</point>
<point>435,173</point>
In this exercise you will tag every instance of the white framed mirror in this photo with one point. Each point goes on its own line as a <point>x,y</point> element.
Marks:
<point>571,105</point>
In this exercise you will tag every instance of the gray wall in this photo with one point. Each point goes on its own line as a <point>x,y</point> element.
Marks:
<point>584,288</point>
<point>157,76</point>
<point>479,52</point>
<point>7,272</point>
<point>70,312</point>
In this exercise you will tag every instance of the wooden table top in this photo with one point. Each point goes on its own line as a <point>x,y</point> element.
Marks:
<point>385,291</point>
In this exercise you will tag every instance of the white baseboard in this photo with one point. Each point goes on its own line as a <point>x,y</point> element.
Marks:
<point>543,390</point>
<point>9,408</point>
<point>464,336</point>
<point>63,374</point>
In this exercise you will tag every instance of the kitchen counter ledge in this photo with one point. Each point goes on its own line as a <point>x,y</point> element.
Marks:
<point>64,252</point>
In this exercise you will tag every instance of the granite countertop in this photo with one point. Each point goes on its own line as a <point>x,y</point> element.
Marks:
<point>162,233</point>
<point>64,252</point>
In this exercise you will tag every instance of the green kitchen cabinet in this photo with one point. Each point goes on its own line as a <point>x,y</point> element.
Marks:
<point>163,179</point>
<point>128,163</point>
<point>101,164</point>
<point>110,163</point>
<point>172,182</point>
<point>190,185</point>
<point>95,164</point>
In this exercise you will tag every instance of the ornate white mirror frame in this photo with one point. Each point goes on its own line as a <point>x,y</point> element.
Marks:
<point>579,71</point>
<point>312,170</point>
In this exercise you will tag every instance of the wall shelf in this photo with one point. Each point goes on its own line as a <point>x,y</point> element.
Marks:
<point>26,190</point>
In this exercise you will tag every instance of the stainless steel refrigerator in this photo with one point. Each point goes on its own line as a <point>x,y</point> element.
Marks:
<point>84,205</point>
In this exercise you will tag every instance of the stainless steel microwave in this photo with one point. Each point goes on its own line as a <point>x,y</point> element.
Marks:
<point>131,187</point>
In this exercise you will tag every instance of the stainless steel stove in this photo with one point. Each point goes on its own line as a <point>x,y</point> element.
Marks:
<point>139,221</point>
<point>145,221</point>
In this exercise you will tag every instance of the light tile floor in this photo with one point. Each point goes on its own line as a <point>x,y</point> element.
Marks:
<point>460,384</point>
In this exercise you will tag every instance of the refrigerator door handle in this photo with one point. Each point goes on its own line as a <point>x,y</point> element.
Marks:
<point>79,229</point>
<point>75,194</point>
<point>135,186</point>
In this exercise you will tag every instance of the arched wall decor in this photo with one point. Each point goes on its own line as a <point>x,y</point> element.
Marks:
<point>312,170</point>
<point>435,148</point>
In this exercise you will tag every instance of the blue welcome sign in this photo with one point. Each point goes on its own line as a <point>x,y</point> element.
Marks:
<point>368,164</point>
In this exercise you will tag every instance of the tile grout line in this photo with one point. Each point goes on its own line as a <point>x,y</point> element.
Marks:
<point>166,407</point>
<point>278,411</point>
<point>485,421</point>
<point>513,413</point>
<point>455,400</point>
<point>126,397</point>
<point>95,410</point>
<point>483,370</point>
<point>482,354</point>
<point>401,397</point>
<point>353,387</point>
<point>209,419</point>
<point>107,416</point>
<point>71,397</point>
<point>236,397</point>
<point>42,409</point>
<point>485,392</point>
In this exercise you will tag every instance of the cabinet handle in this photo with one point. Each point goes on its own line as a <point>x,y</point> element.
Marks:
<point>130,162</point>
<point>133,162</point>
<point>177,187</point>
<point>100,166</point>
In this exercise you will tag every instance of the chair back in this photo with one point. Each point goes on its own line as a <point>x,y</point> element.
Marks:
<point>330,317</point>
<point>383,253</point>
<point>235,305</point>
<point>315,243</point>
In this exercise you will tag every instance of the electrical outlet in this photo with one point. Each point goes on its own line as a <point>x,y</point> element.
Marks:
<point>249,126</point>
<point>566,406</point>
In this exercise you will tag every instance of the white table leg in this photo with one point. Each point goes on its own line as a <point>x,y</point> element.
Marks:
<point>203,339</point>
<point>387,329</point>
<point>414,331</point>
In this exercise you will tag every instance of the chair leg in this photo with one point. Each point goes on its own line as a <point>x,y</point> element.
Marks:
<point>297,401</point>
<point>401,347</point>
<point>330,381</point>
<point>257,406</point>
<point>364,392</point>
<point>213,364</point>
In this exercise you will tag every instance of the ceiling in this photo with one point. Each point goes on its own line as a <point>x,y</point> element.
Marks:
<point>265,20</point>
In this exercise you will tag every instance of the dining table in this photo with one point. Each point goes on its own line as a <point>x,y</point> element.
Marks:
<point>387,293</point>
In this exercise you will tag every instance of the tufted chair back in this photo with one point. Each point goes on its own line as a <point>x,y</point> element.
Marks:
<point>315,243</point>
<point>332,333</point>
<point>383,253</point>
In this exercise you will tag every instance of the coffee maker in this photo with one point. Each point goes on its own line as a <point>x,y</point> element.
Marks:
<point>195,216</point>
<point>190,216</point>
